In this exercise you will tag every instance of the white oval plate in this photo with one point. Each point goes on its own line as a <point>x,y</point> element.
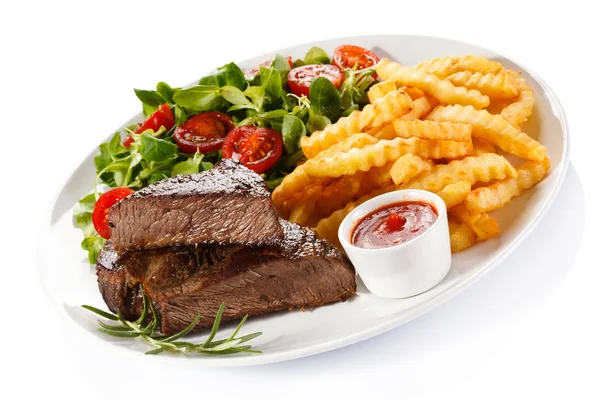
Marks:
<point>70,281</point>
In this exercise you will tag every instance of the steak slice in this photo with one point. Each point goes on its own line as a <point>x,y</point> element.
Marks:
<point>186,281</point>
<point>229,204</point>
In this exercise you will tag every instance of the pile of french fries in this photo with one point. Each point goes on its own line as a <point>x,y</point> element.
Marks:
<point>431,127</point>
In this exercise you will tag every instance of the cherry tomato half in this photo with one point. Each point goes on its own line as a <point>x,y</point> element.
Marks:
<point>300,78</point>
<point>161,117</point>
<point>203,132</point>
<point>251,73</point>
<point>347,56</point>
<point>103,204</point>
<point>256,148</point>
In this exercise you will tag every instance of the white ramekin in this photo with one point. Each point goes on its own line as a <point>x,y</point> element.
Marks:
<point>405,269</point>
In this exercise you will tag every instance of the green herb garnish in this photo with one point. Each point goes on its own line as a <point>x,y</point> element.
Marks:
<point>145,326</point>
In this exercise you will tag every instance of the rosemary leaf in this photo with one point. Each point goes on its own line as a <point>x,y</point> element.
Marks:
<point>119,334</point>
<point>113,327</point>
<point>215,326</point>
<point>101,313</point>
<point>183,332</point>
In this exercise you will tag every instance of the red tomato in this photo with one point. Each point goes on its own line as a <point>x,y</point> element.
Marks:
<point>257,148</point>
<point>203,132</point>
<point>251,73</point>
<point>161,117</point>
<point>103,204</point>
<point>347,56</point>
<point>300,78</point>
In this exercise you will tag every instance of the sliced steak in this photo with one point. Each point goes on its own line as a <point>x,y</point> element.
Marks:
<point>183,282</point>
<point>229,204</point>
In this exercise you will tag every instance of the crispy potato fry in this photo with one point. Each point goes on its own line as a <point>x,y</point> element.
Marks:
<point>455,193</point>
<point>422,107</point>
<point>445,66</point>
<point>518,112</point>
<point>484,226</point>
<point>497,195</point>
<point>496,86</point>
<point>442,90</point>
<point>328,227</point>
<point>298,179</point>
<point>383,111</point>
<point>407,167</point>
<point>304,195</point>
<point>492,128</point>
<point>481,147</point>
<point>484,168</point>
<point>414,93</point>
<point>379,90</point>
<point>349,187</point>
<point>303,211</point>
<point>382,153</point>
<point>432,130</point>
<point>461,236</point>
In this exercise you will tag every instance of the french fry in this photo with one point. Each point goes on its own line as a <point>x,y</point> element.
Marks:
<point>422,107</point>
<point>492,128</point>
<point>461,236</point>
<point>383,111</point>
<point>455,193</point>
<point>349,187</point>
<point>407,167</point>
<point>480,147</point>
<point>304,210</point>
<point>306,194</point>
<point>328,227</point>
<point>445,66</point>
<point>497,195</point>
<point>432,130</point>
<point>414,93</point>
<point>484,226</point>
<point>518,112</point>
<point>484,168</point>
<point>297,180</point>
<point>442,90</point>
<point>379,90</point>
<point>496,86</point>
<point>382,153</point>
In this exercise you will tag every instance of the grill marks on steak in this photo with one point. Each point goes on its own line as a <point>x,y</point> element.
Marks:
<point>228,204</point>
<point>182,282</point>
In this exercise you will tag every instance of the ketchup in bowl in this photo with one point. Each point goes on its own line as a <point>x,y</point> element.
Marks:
<point>393,224</point>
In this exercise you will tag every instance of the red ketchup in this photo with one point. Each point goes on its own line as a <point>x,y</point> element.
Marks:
<point>394,224</point>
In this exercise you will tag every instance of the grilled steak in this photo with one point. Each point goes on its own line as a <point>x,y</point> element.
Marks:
<point>229,204</point>
<point>185,281</point>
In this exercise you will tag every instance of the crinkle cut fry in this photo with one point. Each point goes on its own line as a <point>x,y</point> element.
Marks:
<point>432,130</point>
<point>493,129</point>
<point>443,67</point>
<point>383,111</point>
<point>497,86</point>
<point>461,235</point>
<point>455,193</point>
<point>407,167</point>
<point>498,194</point>
<point>484,226</point>
<point>516,113</point>
<point>484,168</point>
<point>383,152</point>
<point>442,90</point>
<point>297,180</point>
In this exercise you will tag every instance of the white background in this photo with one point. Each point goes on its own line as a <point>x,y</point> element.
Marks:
<point>530,329</point>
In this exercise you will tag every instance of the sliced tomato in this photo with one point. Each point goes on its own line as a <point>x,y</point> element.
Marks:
<point>161,117</point>
<point>300,78</point>
<point>203,132</point>
<point>347,56</point>
<point>255,147</point>
<point>103,204</point>
<point>251,73</point>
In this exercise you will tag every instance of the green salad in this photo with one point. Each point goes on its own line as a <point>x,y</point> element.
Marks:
<point>257,117</point>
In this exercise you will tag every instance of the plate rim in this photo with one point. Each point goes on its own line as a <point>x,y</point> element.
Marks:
<point>385,326</point>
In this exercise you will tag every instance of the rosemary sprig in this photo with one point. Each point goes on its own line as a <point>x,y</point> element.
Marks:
<point>146,330</point>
